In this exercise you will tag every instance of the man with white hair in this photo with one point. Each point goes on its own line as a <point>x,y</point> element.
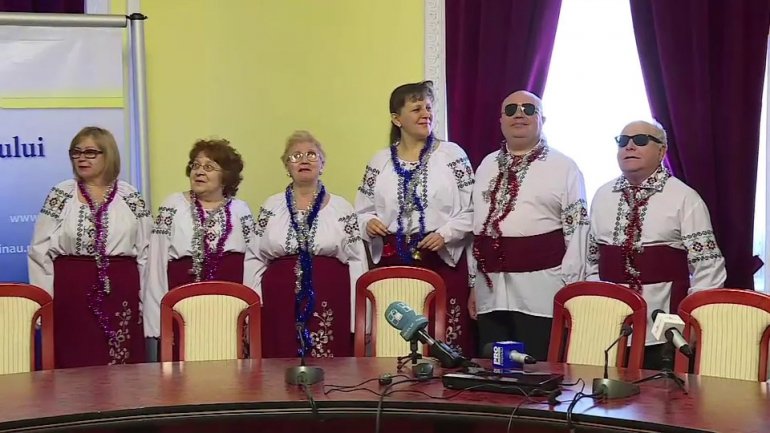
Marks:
<point>530,224</point>
<point>650,231</point>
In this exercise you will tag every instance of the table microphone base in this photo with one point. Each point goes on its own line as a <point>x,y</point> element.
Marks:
<point>614,388</point>
<point>304,375</point>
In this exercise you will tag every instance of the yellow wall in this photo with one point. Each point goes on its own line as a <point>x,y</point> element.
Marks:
<point>252,71</point>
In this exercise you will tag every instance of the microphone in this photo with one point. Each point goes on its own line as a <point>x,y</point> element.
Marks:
<point>612,388</point>
<point>669,327</point>
<point>504,354</point>
<point>303,374</point>
<point>412,327</point>
<point>624,332</point>
<point>300,328</point>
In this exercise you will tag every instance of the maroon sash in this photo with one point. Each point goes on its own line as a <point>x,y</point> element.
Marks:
<point>656,264</point>
<point>522,254</point>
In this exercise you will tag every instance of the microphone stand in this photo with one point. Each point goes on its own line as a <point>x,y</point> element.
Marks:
<point>613,388</point>
<point>303,374</point>
<point>667,353</point>
<point>413,356</point>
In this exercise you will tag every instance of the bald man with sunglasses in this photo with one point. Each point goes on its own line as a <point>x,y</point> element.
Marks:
<point>650,231</point>
<point>531,227</point>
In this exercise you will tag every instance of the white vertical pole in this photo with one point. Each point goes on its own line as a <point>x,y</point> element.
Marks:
<point>140,158</point>
<point>435,62</point>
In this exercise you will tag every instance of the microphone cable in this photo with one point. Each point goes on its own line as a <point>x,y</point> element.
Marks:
<point>580,395</point>
<point>310,399</point>
<point>385,393</point>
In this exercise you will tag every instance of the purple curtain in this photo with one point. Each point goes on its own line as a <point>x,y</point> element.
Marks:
<point>49,6</point>
<point>494,47</point>
<point>703,63</point>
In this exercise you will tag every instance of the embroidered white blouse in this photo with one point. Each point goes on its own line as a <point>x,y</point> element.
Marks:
<point>675,216</point>
<point>65,227</point>
<point>337,235</point>
<point>448,212</point>
<point>551,197</point>
<point>172,237</point>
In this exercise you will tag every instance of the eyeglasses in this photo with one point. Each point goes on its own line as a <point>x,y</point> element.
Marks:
<point>88,153</point>
<point>206,167</point>
<point>639,139</point>
<point>528,109</point>
<point>296,157</point>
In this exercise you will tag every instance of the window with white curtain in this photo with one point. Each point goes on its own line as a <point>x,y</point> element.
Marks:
<point>595,87</point>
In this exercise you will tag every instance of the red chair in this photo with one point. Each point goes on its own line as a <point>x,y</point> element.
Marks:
<point>211,318</point>
<point>21,305</point>
<point>588,316</point>
<point>731,331</point>
<point>418,287</point>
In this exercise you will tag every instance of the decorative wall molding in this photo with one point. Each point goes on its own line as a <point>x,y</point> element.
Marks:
<point>435,62</point>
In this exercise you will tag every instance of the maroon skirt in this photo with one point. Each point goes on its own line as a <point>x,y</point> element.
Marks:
<point>80,340</point>
<point>330,324</point>
<point>180,273</point>
<point>460,328</point>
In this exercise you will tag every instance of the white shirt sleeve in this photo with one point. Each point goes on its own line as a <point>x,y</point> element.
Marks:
<point>157,266</point>
<point>353,253</point>
<point>253,267</point>
<point>705,260</point>
<point>575,227</point>
<point>41,255</point>
<point>460,222</point>
<point>138,207</point>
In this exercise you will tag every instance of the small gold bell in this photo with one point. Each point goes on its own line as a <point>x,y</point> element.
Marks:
<point>416,255</point>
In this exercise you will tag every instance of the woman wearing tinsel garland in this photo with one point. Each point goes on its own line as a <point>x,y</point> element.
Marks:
<point>414,204</point>
<point>202,234</point>
<point>89,251</point>
<point>312,248</point>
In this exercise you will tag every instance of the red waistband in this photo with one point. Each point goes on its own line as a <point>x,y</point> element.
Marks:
<point>521,254</point>
<point>656,264</point>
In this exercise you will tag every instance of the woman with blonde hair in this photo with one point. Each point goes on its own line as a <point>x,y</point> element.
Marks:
<point>89,251</point>
<point>313,255</point>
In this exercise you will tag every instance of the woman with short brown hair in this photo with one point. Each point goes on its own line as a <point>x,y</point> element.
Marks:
<point>204,233</point>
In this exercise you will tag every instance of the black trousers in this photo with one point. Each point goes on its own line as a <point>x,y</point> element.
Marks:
<point>533,331</point>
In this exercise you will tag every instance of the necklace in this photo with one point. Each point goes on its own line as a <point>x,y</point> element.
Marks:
<point>205,257</point>
<point>409,200</point>
<point>305,228</point>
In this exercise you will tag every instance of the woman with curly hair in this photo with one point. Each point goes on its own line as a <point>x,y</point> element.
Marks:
<point>204,233</point>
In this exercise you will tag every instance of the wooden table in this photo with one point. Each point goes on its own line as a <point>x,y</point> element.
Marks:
<point>236,395</point>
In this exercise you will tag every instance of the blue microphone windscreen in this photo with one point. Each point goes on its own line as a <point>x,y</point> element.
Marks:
<point>402,317</point>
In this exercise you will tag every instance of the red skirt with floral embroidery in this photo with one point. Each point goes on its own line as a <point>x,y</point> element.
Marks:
<point>79,340</point>
<point>330,324</point>
<point>460,328</point>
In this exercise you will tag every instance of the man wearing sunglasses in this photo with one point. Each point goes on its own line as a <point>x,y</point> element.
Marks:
<point>530,225</point>
<point>650,231</point>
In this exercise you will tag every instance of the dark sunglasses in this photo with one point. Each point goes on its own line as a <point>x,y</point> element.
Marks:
<point>528,109</point>
<point>639,139</point>
<point>88,153</point>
